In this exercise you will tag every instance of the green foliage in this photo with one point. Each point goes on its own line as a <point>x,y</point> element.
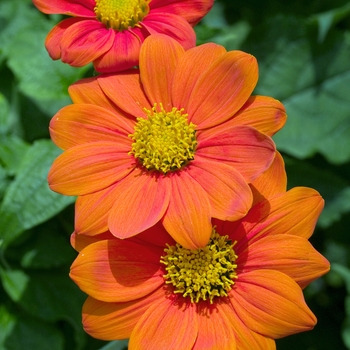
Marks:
<point>303,50</point>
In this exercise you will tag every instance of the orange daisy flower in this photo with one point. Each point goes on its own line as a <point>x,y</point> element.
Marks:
<point>177,141</point>
<point>109,33</point>
<point>241,291</point>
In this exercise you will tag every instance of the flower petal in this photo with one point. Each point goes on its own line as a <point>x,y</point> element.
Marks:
<point>117,271</point>
<point>89,168</point>
<point>292,255</point>
<point>188,216</point>
<point>242,147</point>
<point>79,242</point>
<point>156,327</point>
<point>85,41</point>
<point>271,182</point>
<point>126,91</point>
<point>141,200</point>
<point>271,303</point>
<point>190,67</point>
<point>223,89</point>
<point>92,124</point>
<point>158,58</point>
<point>111,321</point>
<point>214,330</point>
<point>229,195</point>
<point>83,8</point>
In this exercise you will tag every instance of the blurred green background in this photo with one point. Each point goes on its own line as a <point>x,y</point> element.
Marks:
<point>303,49</point>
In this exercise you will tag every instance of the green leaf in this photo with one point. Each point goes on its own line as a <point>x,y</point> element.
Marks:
<point>4,115</point>
<point>116,345</point>
<point>344,272</point>
<point>28,201</point>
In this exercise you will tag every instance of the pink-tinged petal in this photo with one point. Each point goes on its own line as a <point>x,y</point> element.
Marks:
<point>246,339</point>
<point>191,10</point>
<point>111,321</point>
<point>117,271</point>
<point>79,242</point>
<point>246,149</point>
<point>122,55</point>
<point>53,39</point>
<point>214,329</point>
<point>85,41</point>
<point>141,200</point>
<point>263,113</point>
<point>158,58</point>
<point>126,91</point>
<point>89,168</point>
<point>190,67</point>
<point>271,303</point>
<point>292,255</point>
<point>88,91</point>
<point>188,216</point>
<point>223,89</point>
<point>271,182</point>
<point>173,26</point>
<point>166,325</point>
<point>294,212</point>
<point>92,124</point>
<point>83,8</point>
<point>229,195</point>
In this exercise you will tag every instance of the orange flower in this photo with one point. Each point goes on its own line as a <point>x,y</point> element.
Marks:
<point>109,33</point>
<point>177,142</point>
<point>239,292</point>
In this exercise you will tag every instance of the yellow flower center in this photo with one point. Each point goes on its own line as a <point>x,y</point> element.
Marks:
<point>121,14</point>
<point>165,141</point>
<point>202,273</point>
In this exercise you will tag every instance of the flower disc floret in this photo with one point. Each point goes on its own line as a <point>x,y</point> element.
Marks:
<point>202,273</point>
<point>121,14</point>
<point>165,141</point>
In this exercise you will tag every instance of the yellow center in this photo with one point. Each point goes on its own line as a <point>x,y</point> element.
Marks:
<point>165,141</point>
<point>121,14</point>
<point>203,273</point>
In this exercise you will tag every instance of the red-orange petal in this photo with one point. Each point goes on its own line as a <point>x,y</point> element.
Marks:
<point>71,8</point>
<point>77,124</point>
<point>141,200</point>
<point>126,91</point>
<point>189,68</point>
<point>271,303</point>
<point>242,147</point>
<point>79,242</point>
<point>118,271</point>
<point>159,56</point>
<point>89,168</point>
<point>223,89</point>
<point>166,325</point>
<point>292,255</point>
<point>229,195</point>
<point>271,182</point>
<point>111,321</point>
<point>188,216</point>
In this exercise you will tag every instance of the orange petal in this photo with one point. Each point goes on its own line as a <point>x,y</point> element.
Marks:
<point>189,68</point>
<point>223,89</point>
<point>78,124</point>
<point>188,216</point>
<point>141,200</point>
<point>158,58</point>
<point>242,147</point>
<point>246,339</point>
<point>79,242</point>
<point>214,330</point>
<point>294,212</point>
<point>271,303</point>
<point>126,91</point>
<point>229,195</point>
<point>292,255</point>
<point>166,325</point>
<point>262,113</point>
<point>111,321</point>
<point>271,182</point>
<point>72,8</point>
<point>117,271</point>
<point>89,168</point>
